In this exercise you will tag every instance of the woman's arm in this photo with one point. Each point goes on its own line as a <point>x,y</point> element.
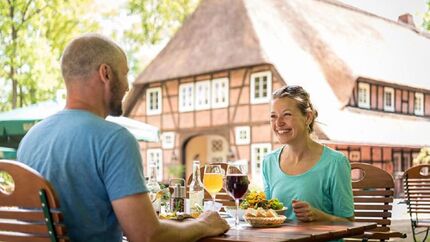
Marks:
<point>306,213</point>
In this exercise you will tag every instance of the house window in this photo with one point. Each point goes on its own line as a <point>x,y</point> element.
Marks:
<point>419,104</point>
<point>389,99</point>
<point>186,97</point>
<point>258,151</point>
<point>261,87</point>
<point>154,156</point>
<point>203,94</point>
<point>153,101</point>
<point>242,135</point>
<point>363,95</point>
<point>220,94</point>
<point>168,140</point>
<point>354,155</point>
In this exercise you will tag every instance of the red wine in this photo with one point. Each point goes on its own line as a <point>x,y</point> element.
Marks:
<point>236,185</point>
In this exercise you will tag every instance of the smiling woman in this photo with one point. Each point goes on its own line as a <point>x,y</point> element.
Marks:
<point>311,180</point>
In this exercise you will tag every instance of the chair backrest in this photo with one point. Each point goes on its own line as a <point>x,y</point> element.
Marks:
<point>29,208</point>
<point>416,181</point>
<point>222,196</point>
<point>373,196</point>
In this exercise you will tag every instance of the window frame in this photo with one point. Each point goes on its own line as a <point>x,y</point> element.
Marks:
<point>181,102</point>
<point>206,96</point>
<point>150,111</point>
<point>391,91</point>
<point>158,163</point>
<point>419,112</point>
<point>253,77</point>
<point>164,143</point>
<point>365,86</point>
<point>238,139</point>
<point>214,96</point>
<point>256,174</point>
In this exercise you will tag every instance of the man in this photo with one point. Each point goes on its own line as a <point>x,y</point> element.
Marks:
<point>95,165</point>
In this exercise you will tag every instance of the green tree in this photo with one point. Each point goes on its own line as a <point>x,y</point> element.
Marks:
<point>426,20</point>
<point>33,34</point>
<point>152,21</point>
<point>423,157</point>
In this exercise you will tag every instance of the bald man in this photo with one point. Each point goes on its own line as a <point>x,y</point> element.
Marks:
<point>95,165</point>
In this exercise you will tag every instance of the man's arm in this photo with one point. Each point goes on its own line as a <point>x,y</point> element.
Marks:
<point>140,223</point>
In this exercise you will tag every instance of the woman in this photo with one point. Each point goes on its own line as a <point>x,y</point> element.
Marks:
<point>312,180</point>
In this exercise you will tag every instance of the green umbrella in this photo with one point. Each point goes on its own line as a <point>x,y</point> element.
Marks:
<point>14,124</point>
<point>7,153</point>
<point>18,121</point>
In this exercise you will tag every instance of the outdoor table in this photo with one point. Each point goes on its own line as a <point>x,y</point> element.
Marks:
<point>295,231</point>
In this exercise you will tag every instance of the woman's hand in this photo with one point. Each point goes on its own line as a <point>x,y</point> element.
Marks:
<point>305,212</point>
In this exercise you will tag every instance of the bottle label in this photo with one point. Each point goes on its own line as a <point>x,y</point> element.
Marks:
<point>196,197</point>
<point>178,205</point>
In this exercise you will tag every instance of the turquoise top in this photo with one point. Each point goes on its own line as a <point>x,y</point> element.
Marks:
<point>90,163</point>
<point>326,186</point>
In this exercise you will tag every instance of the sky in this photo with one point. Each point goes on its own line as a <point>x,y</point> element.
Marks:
<point>391,9</point>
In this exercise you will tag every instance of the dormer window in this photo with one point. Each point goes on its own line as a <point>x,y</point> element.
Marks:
<point>261,87</point>
<point>363,95</point>
<point>419,104</point>
<point>389,99</point>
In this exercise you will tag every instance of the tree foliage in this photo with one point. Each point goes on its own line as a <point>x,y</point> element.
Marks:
<point>423,157</point>
<point>33,34</point>
<point>152,22</point>
<point>426,20</point>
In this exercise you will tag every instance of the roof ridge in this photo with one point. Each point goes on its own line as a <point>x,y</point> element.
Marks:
<point>337,3</point>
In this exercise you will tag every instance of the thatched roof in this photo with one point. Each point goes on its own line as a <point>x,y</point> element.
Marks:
<point>295,36</point>
<point>217,36</point>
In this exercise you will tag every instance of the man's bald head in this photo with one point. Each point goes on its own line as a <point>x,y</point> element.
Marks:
<point>85,54</point>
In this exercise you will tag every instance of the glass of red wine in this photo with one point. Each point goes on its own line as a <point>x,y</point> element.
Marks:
<point>236,185</point>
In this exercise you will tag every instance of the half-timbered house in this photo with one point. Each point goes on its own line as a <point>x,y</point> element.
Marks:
<point>209,89</point>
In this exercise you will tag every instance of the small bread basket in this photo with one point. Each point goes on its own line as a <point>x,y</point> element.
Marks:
<point>265,221</point>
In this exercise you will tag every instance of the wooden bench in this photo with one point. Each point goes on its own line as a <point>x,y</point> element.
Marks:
<point>29,208</point>
<point>373,195</point>
<point>416,182</point>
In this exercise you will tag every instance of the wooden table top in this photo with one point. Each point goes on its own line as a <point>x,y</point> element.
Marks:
<point>296,231</point>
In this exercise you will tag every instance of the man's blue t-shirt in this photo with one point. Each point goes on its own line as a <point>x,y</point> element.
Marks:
<point>90,162</point>
<point>326,186</point>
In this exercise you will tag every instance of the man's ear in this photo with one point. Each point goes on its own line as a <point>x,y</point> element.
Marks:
<point>105,72</point>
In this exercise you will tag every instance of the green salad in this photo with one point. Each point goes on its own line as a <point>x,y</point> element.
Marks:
<point>258,200</point>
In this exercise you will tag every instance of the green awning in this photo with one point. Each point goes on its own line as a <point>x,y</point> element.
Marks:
<point>14,124</point>
<point>7,153</point>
